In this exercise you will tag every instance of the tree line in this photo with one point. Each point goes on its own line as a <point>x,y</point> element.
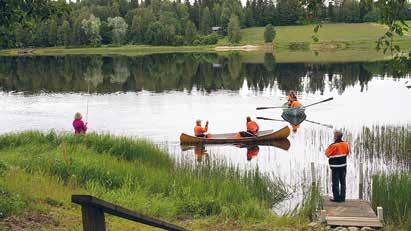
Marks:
<point>46,23</point>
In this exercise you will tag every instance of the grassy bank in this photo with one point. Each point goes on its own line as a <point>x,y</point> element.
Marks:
<point>40,171</point>
<point>334,36</point>
<point>342,42</point>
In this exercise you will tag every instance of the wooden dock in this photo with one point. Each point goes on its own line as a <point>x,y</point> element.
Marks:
<point>356,213</point>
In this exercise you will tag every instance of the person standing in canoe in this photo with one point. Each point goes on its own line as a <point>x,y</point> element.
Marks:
<point>199,131</point>
<point>337,154</point>
<point>292,100</point>
<point>252,128</point>
<point>79,126</point>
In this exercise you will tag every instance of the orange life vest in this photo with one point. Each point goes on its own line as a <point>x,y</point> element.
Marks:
<point>252,127</point>
<point>295,104</point>
<point>199,131</point>
<point>337,154</point>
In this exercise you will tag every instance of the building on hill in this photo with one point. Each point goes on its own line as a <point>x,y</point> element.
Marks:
<point>218,30</point>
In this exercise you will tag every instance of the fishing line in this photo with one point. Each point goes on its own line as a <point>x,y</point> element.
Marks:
<point>88,95</point>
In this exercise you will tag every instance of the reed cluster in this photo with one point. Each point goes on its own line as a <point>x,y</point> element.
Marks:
<point>393,193</point>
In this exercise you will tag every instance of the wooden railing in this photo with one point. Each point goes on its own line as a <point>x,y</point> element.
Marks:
<point>93,209</point>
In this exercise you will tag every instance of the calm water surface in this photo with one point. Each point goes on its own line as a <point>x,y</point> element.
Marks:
<point>160,96</point>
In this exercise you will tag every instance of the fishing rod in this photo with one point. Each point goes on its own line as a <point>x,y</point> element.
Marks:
<point>88,95</point>
<point>322,101</point>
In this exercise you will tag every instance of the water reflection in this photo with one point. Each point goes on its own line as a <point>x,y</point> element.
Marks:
<point>251,150</point>
<point>165,72</point>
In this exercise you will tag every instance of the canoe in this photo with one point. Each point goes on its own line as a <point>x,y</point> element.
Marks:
<point>293,111</point>
<point>281,144</point>
<point>233,137</point>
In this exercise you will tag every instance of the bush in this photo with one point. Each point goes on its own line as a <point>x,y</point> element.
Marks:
<point>11,203</point>
<point>196,42</point>
<point>209,39</point>
<point>178,40</point>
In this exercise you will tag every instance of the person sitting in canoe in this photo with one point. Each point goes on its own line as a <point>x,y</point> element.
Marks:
<point>199,131</point>
<point>292,100</point>
<point>252,128</point>
<point>79,126</point>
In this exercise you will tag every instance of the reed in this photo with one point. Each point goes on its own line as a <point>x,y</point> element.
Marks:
<point>392,192</point>
<point>138,175</point>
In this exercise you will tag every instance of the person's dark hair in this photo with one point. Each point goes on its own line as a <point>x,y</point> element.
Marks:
<point>248,119</point>
<point>338,135</point>
<point>292,94</point>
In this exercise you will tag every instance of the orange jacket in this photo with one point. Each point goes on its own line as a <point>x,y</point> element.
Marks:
<point>199,131</point>
<point>252,127</point>
<point>337,154</point>
<point>295,104</point>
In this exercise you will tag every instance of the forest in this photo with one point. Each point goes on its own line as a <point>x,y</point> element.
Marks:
<point>91,23</point>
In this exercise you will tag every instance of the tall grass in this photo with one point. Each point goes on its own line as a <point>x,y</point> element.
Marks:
<point>310,204</point>
<point>393,193</point>
<point>142,177</point>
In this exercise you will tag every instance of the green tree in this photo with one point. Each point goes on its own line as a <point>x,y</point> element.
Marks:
<point>65,33</point>
<point>234,35</point>
<point>205,22</point>
<point>105,32</point>
<point>269,33</point>
<point>91,28</point>
<point>20,36</point>
<point>52,32</point>
<point>190,32</point>
<point>142,19</point>
<point>119,29</point>
<point>289,11</point>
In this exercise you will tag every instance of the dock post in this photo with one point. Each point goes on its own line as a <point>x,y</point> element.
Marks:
<point>380,213</point>
<point>313,173</point>
<point>326,180</point>
<point>323,215</point>
<point>361,182</point>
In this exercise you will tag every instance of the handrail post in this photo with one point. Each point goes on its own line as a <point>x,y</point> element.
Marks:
<point>93,218</point>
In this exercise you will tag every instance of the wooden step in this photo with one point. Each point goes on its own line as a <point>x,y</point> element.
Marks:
<point>354,221</point>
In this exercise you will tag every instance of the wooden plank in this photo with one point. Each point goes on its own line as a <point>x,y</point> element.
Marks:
<point>353,221</point>
<point>90,201</point>
<point>349,208</point>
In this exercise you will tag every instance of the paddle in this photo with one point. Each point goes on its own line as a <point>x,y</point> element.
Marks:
<point>325,125</point>
<point>322,101</point>
<point>263,118</point>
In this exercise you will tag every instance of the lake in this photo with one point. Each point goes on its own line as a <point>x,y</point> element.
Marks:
<point>160,96</point>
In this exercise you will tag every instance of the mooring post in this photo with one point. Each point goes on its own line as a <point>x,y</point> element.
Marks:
<point>326,180</point>
<point>380,213</point>
<point>313,173</point>
<point>323,215</point>
<point>361,182</point>
<point>93,218</point>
